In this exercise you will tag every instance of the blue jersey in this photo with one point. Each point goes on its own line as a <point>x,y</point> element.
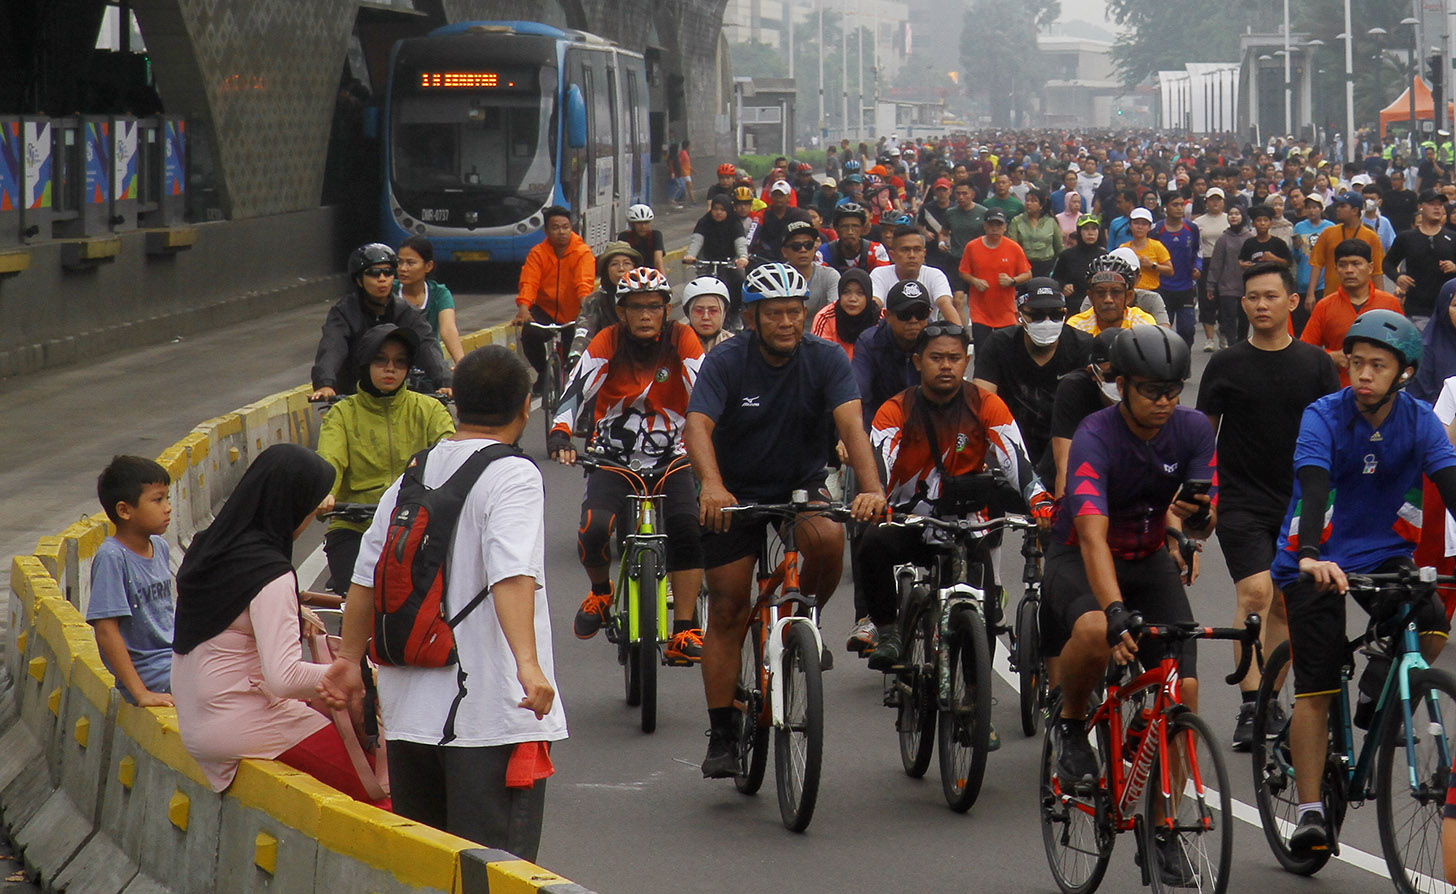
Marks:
<point>137,592</point>
<point>1114,473</point>
<point>1183,246</point>
<point>1374,510</point>
<point>1306,234</point>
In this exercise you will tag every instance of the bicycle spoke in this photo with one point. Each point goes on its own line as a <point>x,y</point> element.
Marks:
<point>1411,783</point>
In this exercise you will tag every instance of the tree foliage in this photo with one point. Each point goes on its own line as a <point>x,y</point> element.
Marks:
<point>999,57</point>
<point>1165,34</point>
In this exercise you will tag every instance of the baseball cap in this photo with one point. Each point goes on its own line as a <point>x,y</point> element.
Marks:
<point>829,182</point>
<point>1351,198</point>
<point>905,293</point>
<point>1040,293</point>
<point>1144,214</point>
<point>1430,195</point>
<point>1216,191</point>
<point>1128,256</point>
<point>995,215</point>
<point>943,183</point>
<point>1316,198</point>
<point>1360,180</point>
<point>781,186</point>
<point>796,227</point>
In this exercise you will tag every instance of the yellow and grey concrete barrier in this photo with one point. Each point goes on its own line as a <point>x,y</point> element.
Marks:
<point>100,796</point>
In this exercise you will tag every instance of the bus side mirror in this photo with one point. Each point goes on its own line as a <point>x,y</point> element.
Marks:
<point>575,118</point>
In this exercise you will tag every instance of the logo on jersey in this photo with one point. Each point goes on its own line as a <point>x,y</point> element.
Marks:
<point>962,441</point>
<point>1170,468</point>
<point>750,401</point>
<point>662,374</point>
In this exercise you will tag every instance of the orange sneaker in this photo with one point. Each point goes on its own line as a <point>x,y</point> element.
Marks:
<point>686,646</point>
<point>592,615</point>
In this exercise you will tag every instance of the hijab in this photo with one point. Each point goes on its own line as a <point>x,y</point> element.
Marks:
<point>250,544</point>
<point>1438,359</point>
<point>849,328</point>
<point>370,344</point>
<point>719,235</point>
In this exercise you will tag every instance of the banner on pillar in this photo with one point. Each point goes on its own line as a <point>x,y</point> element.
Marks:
<point>124,160</point>
<point>38,168</point>
<point>98,168</point>
<point>174,159</point>
<point>10,149</point>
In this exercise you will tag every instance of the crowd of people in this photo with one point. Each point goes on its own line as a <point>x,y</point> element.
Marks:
<point>877,329</point>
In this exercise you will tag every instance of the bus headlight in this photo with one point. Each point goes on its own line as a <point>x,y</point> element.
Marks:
<point>521,229</point>
<point>471,217</point>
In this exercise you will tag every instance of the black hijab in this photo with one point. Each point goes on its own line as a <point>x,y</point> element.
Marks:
<point>718,235</point>
<point>250,544</point>
<point>849,328</point>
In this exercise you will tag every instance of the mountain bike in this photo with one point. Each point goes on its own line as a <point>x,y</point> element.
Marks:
<point>553,373</point>
<point>1404,762</point>
<point>1026,657</point>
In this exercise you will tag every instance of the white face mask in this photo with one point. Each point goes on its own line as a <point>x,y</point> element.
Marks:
<point>1109,390</point>
<point>1371,205</point>
<point>1045,332</point>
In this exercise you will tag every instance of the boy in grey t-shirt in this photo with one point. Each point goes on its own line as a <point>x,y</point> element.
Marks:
<point>131,607</point>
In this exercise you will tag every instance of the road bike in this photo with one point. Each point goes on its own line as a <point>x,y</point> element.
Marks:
<point>553,373</point>
<point>1150,747</point>
<point>1404,762</point>
<point>944,680</point>
<point>780,687</point>
<point>639,620</point>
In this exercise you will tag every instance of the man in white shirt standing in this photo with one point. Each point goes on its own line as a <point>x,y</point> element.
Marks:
<point>508,713</point>
<point>907,254</point>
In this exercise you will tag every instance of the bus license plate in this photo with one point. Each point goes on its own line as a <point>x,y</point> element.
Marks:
<point>471,256</point>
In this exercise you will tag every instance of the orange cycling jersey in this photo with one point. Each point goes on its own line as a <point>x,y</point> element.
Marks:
<point>641,397</point>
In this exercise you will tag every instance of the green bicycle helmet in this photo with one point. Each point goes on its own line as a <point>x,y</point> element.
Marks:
<point>1389,330</point>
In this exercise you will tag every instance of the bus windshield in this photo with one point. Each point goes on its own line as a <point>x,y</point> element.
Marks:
<point>489,148</point>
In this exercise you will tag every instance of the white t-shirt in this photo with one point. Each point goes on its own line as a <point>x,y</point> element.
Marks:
<point>882,279</point>
<point>1446,411</point>
<point>501,534</point>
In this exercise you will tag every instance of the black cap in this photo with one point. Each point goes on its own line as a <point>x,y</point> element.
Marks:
<point>1430,195</point>
<point>905,293</point>
<point>799,226</point>
<point>995,215</point>
<point>1040,293</point>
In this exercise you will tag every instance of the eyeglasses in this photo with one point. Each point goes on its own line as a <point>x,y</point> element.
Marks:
<point>387,362</point>
<point>917,312</point>
<point>708,310</point>
<point>798,246</point>
<point>1156,391</point>
<point>377,272</point>
<point>652,308</point>
<point>1037,316</point>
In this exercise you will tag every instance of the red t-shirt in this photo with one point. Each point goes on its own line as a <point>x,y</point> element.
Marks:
<point>995,307</point>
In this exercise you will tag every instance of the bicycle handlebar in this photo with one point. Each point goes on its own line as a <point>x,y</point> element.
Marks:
<point>1189,630</point>
<point>960,525</point>
<point>550,327</point>
<point>635,467</point>
<point>836,511</point>
<point>1425,575</point>
<point>356,512</point>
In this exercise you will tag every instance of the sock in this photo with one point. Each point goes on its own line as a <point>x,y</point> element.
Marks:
<point>681,626</point>
<point>1315,806</point>
<point>882,629</point>
<point>722,719</point>
<point>604,588</point>
<point>1251,696</point>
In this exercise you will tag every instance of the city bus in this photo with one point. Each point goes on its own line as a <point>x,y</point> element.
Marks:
<point>488,123</point>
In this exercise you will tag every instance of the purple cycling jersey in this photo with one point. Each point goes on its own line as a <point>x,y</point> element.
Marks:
<point>1114,473</point>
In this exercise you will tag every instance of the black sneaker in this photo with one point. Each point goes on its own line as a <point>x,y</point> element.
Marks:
<point>1244,727</point>
<point>592,615</point>
<point>888,651</point>
<point>1310,836</point>
<point>722,759</point>
<point>1278,719</point>
<point>1076,762</point>
<point>1174,868</point>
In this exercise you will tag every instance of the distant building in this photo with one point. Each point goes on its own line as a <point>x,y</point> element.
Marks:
<point>1081,89</point>
<point>765,21</point>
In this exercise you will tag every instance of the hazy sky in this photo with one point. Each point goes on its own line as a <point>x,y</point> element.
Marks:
<point>1086,10</point>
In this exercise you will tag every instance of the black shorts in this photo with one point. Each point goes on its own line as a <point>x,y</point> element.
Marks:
<point>1150,586</point>
<point>1247,540</point>
<point>745,535</point>
<point>605,505</point>
<point>1317,629</point>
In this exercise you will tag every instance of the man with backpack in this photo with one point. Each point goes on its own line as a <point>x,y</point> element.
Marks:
<point>461,642</point>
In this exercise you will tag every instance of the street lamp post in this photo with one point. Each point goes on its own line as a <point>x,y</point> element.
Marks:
<point>1379,33</point>
<point>1415,55</point>
<point>1314,49</point>
<point>1349,37</point>
<point>1288,96</point>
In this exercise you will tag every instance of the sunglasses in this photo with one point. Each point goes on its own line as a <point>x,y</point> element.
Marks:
<point>1038,316</point>
<point>918,312</point>
<point>936,330</point>
<point>1156,391</point>
<point>376,272</point>
<point>798,246</point>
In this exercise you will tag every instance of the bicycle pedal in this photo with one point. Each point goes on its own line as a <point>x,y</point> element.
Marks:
<point>680,662</point>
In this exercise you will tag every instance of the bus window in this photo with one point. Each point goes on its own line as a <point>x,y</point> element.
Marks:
<point>616,104</point>
<point>602,128</point>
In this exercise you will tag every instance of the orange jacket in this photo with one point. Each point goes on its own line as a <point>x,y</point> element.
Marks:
<point>557,285</point>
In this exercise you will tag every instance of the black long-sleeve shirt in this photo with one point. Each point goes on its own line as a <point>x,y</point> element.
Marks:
<point>348,320</point>
<point>1422,255</point>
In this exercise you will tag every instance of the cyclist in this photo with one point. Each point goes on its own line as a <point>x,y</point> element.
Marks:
<point>1109,556</point>
<point>852,250</point>
<point>727,173</point>
<point>599,310</point>
<point>369,436</point>
<point>642,237</point>
<point>757,424</point>
<point>705,305</point>
<point>640,373</point>
<point>372,267</point>
<point>927,438</point>
<point>1110,293</point>
<point>558,273</point>
<point>1358,463</point>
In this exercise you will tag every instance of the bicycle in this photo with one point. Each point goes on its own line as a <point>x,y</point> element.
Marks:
<point>779,677</point>
<point>1406,742</point>
<point>1185,828</point>
<point>1026,657</point>
<point>639,626</point>
<point>945,678</point>
<point>553,374</point>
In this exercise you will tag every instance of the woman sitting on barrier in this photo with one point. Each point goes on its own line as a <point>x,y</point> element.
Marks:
<point>241,682</point>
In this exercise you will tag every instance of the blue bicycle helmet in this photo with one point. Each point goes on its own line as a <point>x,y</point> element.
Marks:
<point>1389,330</point>
<point>899,219</point>
<point>852,167</point>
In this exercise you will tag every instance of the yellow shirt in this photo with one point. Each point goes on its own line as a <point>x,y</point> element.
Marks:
<point>1086,321</point>
<point>1158,254</point>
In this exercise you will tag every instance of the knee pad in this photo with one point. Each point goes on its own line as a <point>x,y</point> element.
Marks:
<point>594,537</point>
<point>684,543</point>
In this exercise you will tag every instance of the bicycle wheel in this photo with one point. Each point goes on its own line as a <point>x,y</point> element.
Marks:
<point>1029,665</point>
<point>1411,779</point>
<point>1273,764</point>
<point>1076,828</point>
<point>1188,835</point>
<point>915,719</point>
<point>799,742</point>
<point>647,654</point>
<point>965,720</point>
<point>752,735</point>
<point>550,388</point>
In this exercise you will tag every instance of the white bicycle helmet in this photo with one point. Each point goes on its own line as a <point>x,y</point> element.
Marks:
<point>774,281</point>
<point>642,280</point>
<point>639,213</point>
<point>701,287</point>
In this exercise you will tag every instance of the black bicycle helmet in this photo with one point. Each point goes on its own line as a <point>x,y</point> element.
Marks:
<point>1103,267</point>
<point>1152,352</point>
<point>850,209</point>
<point>1102,346</point>
<point>366,256</point>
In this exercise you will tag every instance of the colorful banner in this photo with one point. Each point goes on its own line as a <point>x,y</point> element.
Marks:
<point>98,167</point>
<point>38,168</point>
<point>174,162</point>
<point>10,145</point>
<point>124,160</point>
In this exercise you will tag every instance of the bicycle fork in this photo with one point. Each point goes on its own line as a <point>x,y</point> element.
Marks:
<point>645,539</point>
<point>957,597</point>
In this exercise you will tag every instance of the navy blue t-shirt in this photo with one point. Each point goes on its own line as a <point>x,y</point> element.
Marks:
<point>772,422</point>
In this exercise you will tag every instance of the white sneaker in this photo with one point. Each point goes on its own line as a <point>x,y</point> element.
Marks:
<point>862,637</point>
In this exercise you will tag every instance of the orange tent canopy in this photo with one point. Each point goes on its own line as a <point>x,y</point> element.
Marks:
<point>1399,110</point>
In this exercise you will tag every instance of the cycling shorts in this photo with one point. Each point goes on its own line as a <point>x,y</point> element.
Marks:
<point>1150,586</point>
<point>1317,628</point>
<point>744,536</point>
<point>605,508</point>
<point>1248,540</point>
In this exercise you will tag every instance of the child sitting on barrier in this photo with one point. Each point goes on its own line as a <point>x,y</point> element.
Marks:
<point>131,581</point>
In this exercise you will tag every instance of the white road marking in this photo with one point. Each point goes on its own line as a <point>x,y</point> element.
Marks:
<point>312,567</point>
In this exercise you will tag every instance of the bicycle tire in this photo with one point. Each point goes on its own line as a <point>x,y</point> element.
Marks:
<point>965,720</point>
<point>1410,824</point>
<point>648,657</point>
<point>1203,840</point>
<point>752,734</point>
<point>1076,829</point>
<point>1029,665</point>
<point>916,714</point>
<point>1273,766</point>
<point>550,389</point>
<point>799,742</point>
